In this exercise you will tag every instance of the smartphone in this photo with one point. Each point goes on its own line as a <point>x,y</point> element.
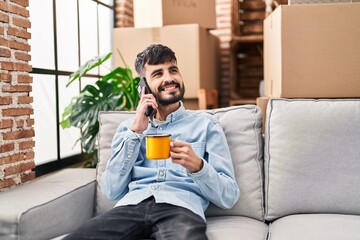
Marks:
<point>143,83</point>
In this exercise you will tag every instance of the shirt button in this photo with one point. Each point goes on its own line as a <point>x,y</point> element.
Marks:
<point>153,187</point>
<point>161,173</point>
<point>160,128</point>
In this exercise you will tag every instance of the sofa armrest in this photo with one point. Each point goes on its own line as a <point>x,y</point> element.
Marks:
<point>49,206</point>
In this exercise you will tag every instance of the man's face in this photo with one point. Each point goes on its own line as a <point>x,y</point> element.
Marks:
<point>165,82</point>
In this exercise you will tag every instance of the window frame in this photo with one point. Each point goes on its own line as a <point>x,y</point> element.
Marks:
<point>77,159</point>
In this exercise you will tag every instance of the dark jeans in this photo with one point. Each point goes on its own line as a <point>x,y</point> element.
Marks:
<point>147,220</point>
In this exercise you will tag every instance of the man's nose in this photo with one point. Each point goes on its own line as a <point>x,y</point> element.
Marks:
<point>167,77</point>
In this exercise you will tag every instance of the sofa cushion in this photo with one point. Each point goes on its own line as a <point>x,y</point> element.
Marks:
<point>48,206</point>
<point>242,127</point>
<point>315,226</point>
<point>108,123</point>
<point>312,157</point>
<point>235,227</point>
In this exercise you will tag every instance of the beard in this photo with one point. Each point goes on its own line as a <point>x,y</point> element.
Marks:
<point>173,97</point>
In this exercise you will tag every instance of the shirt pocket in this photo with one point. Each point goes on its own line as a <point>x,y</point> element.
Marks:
<point>199,149</point>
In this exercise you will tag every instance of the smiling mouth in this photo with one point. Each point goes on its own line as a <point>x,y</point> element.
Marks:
<point>169,87</point>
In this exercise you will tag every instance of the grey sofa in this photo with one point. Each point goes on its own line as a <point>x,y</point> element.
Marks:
<point>300,180</point>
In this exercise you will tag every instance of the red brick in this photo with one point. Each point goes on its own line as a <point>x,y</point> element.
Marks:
<point>8,66</point>
<point>22,56</point>
<point>6,123</point>
<point>18,33</point>
<point>19,168</point>
<point>14,112</point>
<point>5,100</point>
<point>21,22</point>
<point>20,123</point>
<point>25,99</point>
<point>11,66</point>
<point>2,30</point>
<point>4,42</point>
<point>26,145</point>
<point>19,134</point>
<point>7,183</point>
<point>17,158</point>
<point>4,6</point>
<point>5,52</point>
<point>24,79</point>
<point>24,3</point>
<point>28,176</point>
<point>30,121</point>
<point>4,18</point>
<point>5,160</point>
<point>5,77</point>
<point>7,147</point>
<point>18,10</point>
<point>18,46</point>
<point>17,88</point>
<point>29,155</point>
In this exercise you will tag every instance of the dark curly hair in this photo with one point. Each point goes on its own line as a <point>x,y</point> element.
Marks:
<point>153,55</point>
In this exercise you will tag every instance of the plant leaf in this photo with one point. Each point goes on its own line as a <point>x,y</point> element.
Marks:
<point>114,91</point>
<point>87,67</point>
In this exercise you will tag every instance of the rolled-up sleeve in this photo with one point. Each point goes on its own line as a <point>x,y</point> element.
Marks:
<point>125,151</point>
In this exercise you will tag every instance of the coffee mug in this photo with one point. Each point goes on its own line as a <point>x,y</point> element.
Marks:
<point>157,146</point>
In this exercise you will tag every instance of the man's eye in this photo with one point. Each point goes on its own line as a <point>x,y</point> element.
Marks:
<point>173,70</point>
<point>157,75</point>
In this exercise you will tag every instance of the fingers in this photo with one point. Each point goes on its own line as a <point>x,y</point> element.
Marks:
<point>181,147</point>
<point>146,100</point>
<point>183,154</point>
<point>140,123</point>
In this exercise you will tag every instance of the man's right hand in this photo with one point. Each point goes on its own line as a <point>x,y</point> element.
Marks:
<point>140,123</point>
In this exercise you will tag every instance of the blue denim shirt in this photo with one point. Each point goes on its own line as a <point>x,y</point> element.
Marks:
<point>130,177</point>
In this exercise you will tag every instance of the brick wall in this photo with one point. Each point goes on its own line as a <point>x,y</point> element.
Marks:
<point>16,124</point>
<point>124,18</point>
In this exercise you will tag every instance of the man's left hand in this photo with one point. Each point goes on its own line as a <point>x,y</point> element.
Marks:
<point>183,154</point>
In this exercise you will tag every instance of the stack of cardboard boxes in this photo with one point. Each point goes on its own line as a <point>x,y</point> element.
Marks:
<point>182,25</point>
<point>312,51</point>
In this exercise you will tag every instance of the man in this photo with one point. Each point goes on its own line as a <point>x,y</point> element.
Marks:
<point>164,199</point>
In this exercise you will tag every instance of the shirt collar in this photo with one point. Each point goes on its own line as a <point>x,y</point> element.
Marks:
<point>172,117</point>
<point>179,113</point>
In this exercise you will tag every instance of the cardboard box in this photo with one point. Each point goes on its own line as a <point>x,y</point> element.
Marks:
<point>291,2</point>
<point>158,13</point>
<point>195,48</point>
<point>262,103</point>
<point>312,51</point>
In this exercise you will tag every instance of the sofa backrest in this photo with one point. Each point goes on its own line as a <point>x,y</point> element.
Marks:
<point>242,126</point>
<point>312,157</point>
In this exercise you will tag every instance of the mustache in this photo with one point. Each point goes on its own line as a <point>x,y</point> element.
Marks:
<point>167,84</point>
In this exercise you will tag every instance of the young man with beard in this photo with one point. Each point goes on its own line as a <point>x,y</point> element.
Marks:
<point>164,199</point>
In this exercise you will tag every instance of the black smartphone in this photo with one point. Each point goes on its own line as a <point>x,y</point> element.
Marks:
<point>142,84</point>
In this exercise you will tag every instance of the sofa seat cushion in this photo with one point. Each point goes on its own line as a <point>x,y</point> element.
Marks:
<point>312,157</point>
<point>316,226</point>
<point>48,206</point>
<point>235,227</point>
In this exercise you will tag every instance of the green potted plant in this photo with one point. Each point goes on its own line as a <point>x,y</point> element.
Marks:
<point>114,91</point>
